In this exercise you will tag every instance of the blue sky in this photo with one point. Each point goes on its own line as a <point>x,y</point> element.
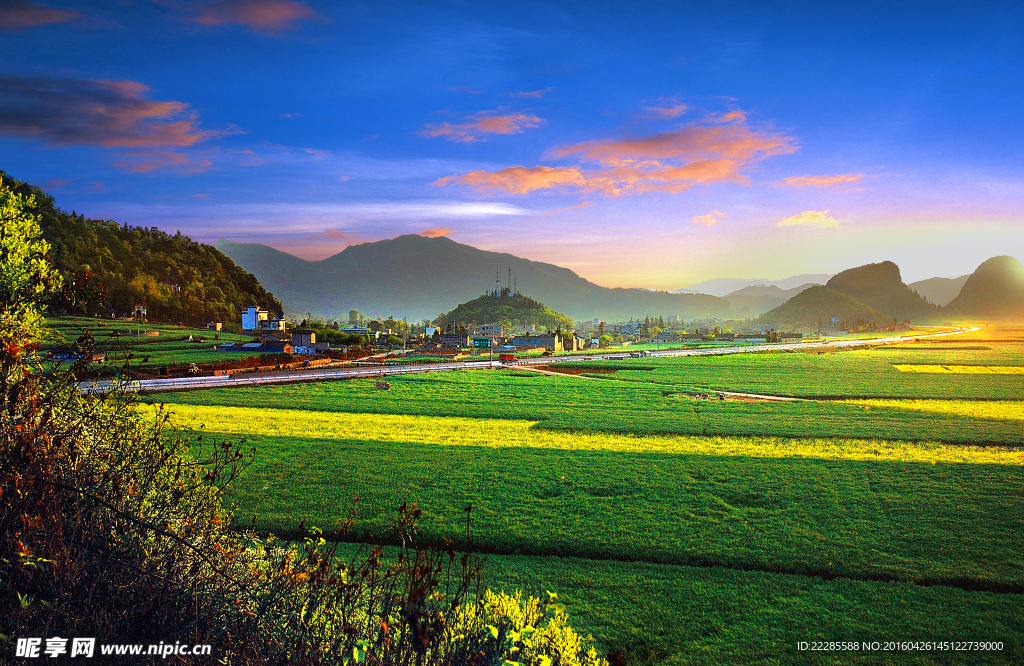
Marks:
<point>653,145</point>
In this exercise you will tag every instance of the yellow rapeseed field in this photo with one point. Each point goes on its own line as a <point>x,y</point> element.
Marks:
<point>961,369</point>
<point>1012,410</point>
<point>457,431</point>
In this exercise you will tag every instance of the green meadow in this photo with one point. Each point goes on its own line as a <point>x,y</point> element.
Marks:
<point>609,403</point>
<point>679,530</point>
<point>118,338</point>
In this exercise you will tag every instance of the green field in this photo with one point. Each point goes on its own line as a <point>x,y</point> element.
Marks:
<point>170,347</point>
<point>669,615</point>
<point>680,530</point>
<point>612,405</point>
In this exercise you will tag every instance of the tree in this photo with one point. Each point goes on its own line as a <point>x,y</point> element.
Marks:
<point>27,281</point>
<point>26,277</point>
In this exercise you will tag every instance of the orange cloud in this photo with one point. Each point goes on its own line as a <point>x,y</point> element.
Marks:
<point>716,151</point>
<point>110,114</point>
<point>709,220</point>
<point>673,108</point>
<point>436,232</point>
<point>269,17</point>
<point>483,123</point>
<point>519,179</point>
<point>810,218</point>
<point>151,160</point>
<point>333,234</point>
<point>822,181</point>
<point>18,15</point>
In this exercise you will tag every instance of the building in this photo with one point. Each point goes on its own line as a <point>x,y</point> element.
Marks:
<point>303,338</point>
<point>454,340</point>
<point>255,319</point>
<point>549,341</point>
<point>213,326</point>
<point>491,330</point>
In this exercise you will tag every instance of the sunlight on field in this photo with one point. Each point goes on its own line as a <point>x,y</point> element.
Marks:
<point>1010,410</point>
<point>499,433</point>
<point>962,369</point>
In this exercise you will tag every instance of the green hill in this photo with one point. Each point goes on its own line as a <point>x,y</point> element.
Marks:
<point>416,277</point>
<point>995,289</point>
<point>507,309</point>
<point>109,268</point>
<point>880,286</point>
<point>815,307</point>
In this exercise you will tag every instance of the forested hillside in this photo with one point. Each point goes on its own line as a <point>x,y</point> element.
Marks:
<point>504,308</point>
<point>109,268</point>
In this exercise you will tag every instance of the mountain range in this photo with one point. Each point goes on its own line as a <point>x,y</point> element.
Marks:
<point>417,277</point>
<point>728,286</point>
<point>875,295</point>
<point>754,300</point>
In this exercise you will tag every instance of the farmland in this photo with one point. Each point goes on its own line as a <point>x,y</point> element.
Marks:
<point>680,530</point>
<point>169,346</point>
<point>611,404</point>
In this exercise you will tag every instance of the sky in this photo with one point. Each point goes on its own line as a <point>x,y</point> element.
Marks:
<point>650,144</point>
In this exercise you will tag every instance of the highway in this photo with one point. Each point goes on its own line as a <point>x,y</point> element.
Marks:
<point>326,374</point>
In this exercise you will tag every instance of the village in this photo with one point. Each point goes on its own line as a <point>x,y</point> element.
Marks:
<point>278,335</point>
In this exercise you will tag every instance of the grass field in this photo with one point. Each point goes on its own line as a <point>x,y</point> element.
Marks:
<point>891,511</point>
<point>669,615</point>
<point>610,405</point>
<point>828,507</point>
<point>170,347</point>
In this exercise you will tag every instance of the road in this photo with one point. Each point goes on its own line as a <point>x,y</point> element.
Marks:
<point>313,375</point>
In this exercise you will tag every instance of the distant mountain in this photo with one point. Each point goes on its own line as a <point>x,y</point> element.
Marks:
<point>880,286</point>
<point>416,277</point>
<point>815,307</point>
<point>755,300</point>
<point>995,289</point>
<point>940,291</point>
<point>725,286</point>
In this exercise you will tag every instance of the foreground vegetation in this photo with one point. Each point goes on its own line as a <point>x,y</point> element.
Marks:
<point>110,528</point>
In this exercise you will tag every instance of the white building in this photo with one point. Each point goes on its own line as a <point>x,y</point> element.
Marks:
<point>254,319</point>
